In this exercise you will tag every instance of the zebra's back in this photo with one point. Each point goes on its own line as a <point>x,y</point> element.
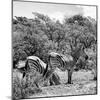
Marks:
<point>55,62</point>
<point>36,66</point>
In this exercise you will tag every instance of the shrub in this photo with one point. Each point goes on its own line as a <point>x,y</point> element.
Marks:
<point>22,88</point>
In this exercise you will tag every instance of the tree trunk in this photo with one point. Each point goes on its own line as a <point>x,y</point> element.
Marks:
<point>69,77</point>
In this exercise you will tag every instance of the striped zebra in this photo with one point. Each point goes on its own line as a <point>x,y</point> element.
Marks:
<point>36,64</point>
<point>59,60</point>
<point>68,62</point>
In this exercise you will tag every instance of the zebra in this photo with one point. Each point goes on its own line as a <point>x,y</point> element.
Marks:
<point>57,60</point>
<point>44,69</point>
<point>67,62</point>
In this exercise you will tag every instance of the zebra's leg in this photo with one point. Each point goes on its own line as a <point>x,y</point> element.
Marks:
<point>51,81</point>
<point>56,79</point>
<point>37,89</point>
<point>36,83</point>
<point>48,74</point>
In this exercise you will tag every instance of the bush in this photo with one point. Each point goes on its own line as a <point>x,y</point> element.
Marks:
<point>92,65</point>
<point>22,88</point>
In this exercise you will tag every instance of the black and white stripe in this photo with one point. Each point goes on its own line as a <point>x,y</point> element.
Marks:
<point>65,62</point>
<point>60,61</point>
<point>35,63</point>
<point>55,60</point>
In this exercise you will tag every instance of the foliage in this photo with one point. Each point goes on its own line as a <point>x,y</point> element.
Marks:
<point>22,88</point>
<point>40,35</point>
<point>92,64</point>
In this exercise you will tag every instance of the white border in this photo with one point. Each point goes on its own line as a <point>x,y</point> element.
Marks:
<point>5,48</point>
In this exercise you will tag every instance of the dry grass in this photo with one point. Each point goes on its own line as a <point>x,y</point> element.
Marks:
<point>22,88</point>
<point>82,84</point>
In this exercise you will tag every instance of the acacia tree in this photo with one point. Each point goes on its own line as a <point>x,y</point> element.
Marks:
<point>54,30</point>
<point>78,37</point>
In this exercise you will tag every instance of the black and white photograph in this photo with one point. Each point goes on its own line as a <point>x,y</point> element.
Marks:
<point>54,49</point>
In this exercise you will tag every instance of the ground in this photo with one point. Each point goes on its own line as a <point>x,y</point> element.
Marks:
<point>82,84</point>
